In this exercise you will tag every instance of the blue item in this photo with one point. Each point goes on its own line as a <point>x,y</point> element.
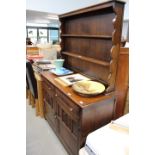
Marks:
<point>61,71</point>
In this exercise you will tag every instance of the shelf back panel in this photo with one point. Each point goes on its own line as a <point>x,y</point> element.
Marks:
<point>99,72</point>
<point>90,24</point>
<point>94,48</point>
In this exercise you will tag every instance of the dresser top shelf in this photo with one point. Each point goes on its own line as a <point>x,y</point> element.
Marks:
<point>79,100</point>
<point>87,36</point>
<point>92,60</point>
<point>103,5</point>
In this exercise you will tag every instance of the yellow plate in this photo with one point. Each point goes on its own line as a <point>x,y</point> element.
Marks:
<point>88,87</point>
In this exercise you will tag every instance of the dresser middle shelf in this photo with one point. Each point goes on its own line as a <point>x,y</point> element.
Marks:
<point>92,60</point>
<point>87,36</point>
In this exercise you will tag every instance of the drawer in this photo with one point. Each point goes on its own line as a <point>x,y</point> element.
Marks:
<point>48,92</point>
<point>48,86</point>
<point>48,95</point>
<point>70,107</point>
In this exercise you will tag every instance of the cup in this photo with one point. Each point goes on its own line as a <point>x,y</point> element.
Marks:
<point>58,64</point>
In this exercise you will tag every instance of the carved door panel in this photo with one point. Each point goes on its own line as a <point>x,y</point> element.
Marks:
<point>68,129</point>
<point>50,108</point>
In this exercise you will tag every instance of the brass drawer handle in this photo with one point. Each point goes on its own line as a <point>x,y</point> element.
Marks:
<point>45,100</point>
<point>71,109</point>
<point>55,116</point>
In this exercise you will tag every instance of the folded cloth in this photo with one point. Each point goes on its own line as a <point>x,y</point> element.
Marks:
<point>110,141</point>
<point>83,151</point>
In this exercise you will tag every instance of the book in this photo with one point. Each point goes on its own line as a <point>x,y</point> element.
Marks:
<point>71,79</point>
<point>46,66</point>
<point>42,67</point>
<point>43,61</point>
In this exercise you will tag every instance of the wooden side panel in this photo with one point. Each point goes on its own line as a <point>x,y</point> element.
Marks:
<point>122,82</point>
<point>97,115</point>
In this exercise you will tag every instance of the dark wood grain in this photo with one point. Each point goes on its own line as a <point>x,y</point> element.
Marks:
<point>122,82</point>
<point>86,36</point>
<point>90,25</point>
<point>90,45</point>
<point>80,40</point>
<point>96,7</point>
<point>92,60</point>
<point>72,116</point>
<point>118,8</point>
<point>79,100</point>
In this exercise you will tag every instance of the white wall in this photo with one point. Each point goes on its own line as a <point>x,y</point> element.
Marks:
<point>57,6</point>
<point>63,6</point>
<point>126,10</point>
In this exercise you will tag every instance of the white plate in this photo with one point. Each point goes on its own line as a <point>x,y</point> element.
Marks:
<point>89,88</point>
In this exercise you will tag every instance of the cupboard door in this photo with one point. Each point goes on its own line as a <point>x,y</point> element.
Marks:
<point>51,116</point>
<point>68,130</point>
<point>50,108</point>
<point>71,108</point>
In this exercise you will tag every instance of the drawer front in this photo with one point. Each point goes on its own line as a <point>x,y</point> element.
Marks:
<point>48,94</point>
<point>69,106</point>
<point>48,87</point>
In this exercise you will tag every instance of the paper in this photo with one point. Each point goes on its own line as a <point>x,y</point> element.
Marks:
<point>71,79</point>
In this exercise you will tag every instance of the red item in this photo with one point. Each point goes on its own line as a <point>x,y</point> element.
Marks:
<point>34,57</point>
